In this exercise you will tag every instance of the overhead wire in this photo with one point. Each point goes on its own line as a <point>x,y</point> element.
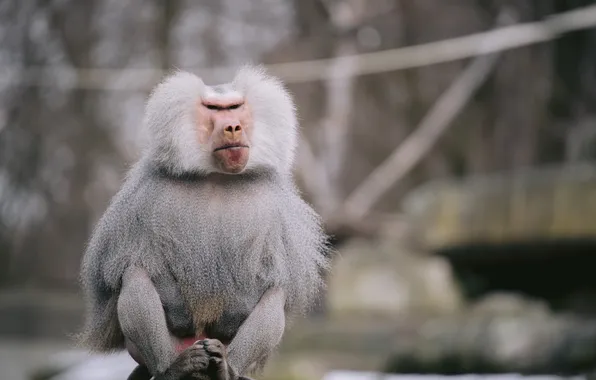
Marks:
<point>138,79</point>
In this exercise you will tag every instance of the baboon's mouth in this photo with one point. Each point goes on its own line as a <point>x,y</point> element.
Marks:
<point>231,146</point>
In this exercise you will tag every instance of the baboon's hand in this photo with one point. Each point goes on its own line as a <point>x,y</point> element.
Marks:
<point>192,363</point>
<point>218,369</point>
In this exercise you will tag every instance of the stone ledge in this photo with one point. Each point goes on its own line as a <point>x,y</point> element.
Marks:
<point>543,204</point>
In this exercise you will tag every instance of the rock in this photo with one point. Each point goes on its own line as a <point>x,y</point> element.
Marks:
<point>545,204</point>
<point>353,375</point>
<point>500,303</point>
<point>383,278</point>
<point>473,343</point>
<point>503,334</point>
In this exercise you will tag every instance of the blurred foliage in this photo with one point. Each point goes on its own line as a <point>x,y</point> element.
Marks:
<point>63,150</point>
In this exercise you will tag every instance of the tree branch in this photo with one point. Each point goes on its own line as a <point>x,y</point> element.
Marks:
<point>433,125</point>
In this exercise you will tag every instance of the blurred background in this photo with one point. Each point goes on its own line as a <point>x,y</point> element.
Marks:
<point>459,186</point>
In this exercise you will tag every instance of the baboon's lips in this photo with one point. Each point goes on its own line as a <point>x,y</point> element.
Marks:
<point>231,146</point>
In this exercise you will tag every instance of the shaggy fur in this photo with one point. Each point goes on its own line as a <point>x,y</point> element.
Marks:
<point>223,239</point>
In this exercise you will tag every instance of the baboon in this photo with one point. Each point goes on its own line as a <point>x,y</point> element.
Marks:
<point>208,250</point>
